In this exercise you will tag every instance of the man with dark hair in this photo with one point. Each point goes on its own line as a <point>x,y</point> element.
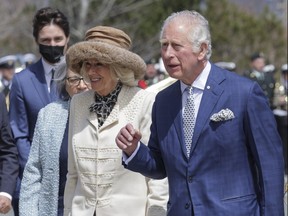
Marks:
<point>33,88</point>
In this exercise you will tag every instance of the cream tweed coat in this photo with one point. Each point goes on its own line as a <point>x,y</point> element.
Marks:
<point>97,181</point>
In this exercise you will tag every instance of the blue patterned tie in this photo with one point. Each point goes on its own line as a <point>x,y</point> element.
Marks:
<point>189,119</point>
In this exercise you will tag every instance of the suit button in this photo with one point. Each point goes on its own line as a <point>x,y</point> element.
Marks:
<point>190,179</point>
<point>187,205</point>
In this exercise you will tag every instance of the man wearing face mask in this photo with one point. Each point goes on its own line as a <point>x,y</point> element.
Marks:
<point>33,87</point>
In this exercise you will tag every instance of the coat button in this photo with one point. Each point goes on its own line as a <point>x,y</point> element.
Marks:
<point>190,179</point>
<point>187,205</point>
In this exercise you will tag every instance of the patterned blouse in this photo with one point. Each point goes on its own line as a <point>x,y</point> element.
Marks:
<point>103,105</point>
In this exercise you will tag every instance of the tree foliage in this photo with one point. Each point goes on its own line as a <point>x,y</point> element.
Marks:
<point>235,34</point>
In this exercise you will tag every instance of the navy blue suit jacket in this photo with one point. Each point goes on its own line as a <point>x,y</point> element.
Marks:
<point>236,167</point>
<point>8,152</point>
<point>29,93</point>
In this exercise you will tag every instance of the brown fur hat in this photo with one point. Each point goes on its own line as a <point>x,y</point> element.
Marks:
<point>107,45</point>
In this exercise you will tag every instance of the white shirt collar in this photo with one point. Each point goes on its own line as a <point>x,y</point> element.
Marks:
<point>200,81</point>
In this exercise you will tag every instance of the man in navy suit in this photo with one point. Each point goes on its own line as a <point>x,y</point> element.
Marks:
<point>8,159</point>
<point>234,165</point>
<point>33,88</point>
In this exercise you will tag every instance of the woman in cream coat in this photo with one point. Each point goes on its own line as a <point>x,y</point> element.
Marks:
<point>97,184</point>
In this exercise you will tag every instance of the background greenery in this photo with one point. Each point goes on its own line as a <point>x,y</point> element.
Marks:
<point>235,33</point>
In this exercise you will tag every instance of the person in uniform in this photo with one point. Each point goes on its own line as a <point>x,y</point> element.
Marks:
<point>7,71</point>
<point>281,108</point>
<point>264,79</point>
<point>28,59</point>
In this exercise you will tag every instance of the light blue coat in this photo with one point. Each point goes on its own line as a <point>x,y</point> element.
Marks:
<point>40,184</point>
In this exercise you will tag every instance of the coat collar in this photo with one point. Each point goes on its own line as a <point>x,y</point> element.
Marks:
<point>124,97</point>
<point>39,82</point>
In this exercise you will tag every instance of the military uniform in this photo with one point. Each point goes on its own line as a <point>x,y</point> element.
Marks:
<point>7,70</point>
<point>281,115</point>
<point>29,58</point>
<point>266,81</point>
<point>264,77</point>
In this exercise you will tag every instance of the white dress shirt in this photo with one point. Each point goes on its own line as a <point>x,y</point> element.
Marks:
<point>198,89</point>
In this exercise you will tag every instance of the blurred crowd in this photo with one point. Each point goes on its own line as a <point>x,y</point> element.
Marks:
<point>155,72</point>
<point>275,87</point>
<point>9,65</point>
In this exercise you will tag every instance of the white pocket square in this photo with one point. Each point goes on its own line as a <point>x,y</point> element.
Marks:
<point>222,115</point>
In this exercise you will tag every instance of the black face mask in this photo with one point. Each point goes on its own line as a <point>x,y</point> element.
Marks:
<point>52,54</point>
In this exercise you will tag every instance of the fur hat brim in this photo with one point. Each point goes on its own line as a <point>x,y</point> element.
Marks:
<point>105,54</point>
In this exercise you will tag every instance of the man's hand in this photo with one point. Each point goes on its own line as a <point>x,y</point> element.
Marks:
<point>5,204</point>
<point>127,139</point>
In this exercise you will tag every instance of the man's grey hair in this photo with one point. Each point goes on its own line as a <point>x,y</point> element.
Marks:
<point>199,32</point>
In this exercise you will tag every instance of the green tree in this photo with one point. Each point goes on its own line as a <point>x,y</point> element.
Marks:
<point>236,35</point>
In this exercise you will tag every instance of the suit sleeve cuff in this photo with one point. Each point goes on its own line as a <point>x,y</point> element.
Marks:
<point>127,159</point>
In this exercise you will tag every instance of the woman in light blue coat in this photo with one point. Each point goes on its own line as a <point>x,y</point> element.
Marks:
<point>44,177</point>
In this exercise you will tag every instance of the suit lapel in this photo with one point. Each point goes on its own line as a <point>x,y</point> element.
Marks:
<point>176,113</point>
<point>39,82</point>
<point>211,95</point>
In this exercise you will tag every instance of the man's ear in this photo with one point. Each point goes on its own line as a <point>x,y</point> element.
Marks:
<point>203,51</point>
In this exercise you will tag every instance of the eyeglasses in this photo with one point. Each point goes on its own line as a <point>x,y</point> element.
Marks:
<point>75,81</point>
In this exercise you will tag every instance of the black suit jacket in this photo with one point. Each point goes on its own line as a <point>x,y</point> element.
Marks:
<point>8,152</point>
